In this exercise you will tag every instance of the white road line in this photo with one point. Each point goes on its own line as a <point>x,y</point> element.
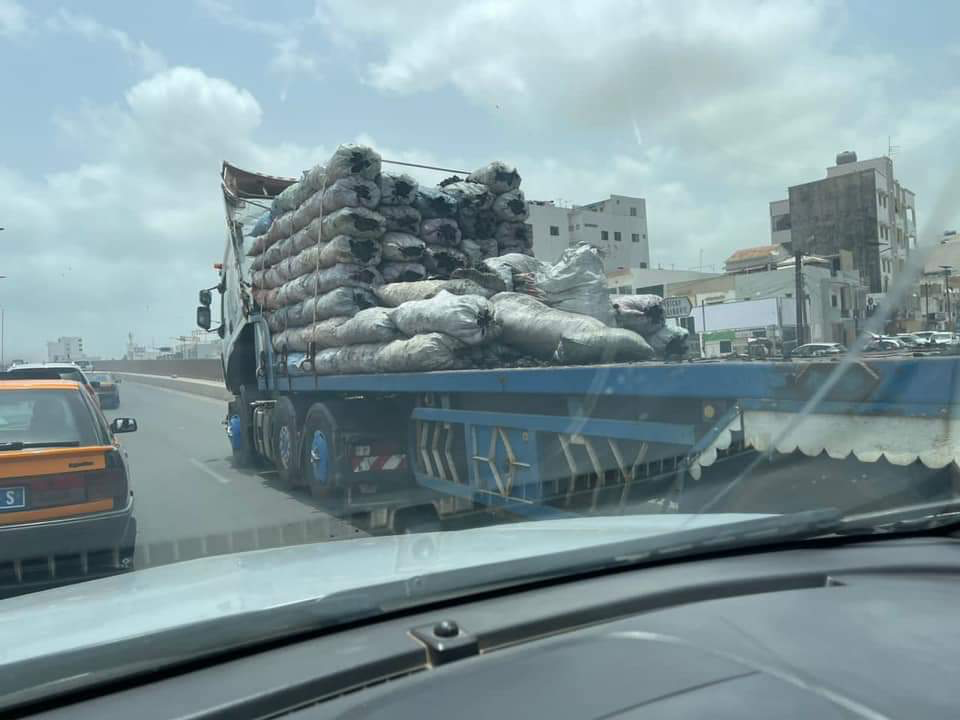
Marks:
<point>212,473</point>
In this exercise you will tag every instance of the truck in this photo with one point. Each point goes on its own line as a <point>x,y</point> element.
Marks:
<point>399,452</point>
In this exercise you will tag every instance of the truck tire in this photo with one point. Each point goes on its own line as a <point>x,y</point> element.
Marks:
<point>319,459</point>
<point>286,441</point>
<point>244,454</point>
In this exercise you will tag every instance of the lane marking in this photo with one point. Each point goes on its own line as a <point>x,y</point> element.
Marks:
<point>222,479</point>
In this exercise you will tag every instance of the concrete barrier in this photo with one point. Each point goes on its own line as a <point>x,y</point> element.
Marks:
<point>211,369</point>
<point>205,388</point>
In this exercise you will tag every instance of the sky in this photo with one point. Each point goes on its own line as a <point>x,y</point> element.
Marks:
<point>116,117</point>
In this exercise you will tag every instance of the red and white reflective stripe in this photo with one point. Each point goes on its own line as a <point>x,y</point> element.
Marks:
<point>374,463</point>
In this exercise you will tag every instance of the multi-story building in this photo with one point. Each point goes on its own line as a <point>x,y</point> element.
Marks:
<point>860,207</point>
<point>65,349</point>
<point>616,226</point>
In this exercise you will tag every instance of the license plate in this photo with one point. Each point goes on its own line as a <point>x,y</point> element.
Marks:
<point>13,498</point>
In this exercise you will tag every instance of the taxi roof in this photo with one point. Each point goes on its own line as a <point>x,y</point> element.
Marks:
<point>39,385</point>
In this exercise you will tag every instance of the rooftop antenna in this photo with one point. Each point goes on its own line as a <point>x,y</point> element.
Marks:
<point>891,148</point>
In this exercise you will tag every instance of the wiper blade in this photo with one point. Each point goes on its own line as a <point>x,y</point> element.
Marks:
<point>919,516</point>
<point>20,445</point>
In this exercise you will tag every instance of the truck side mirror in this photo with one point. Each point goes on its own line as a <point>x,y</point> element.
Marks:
<point>205,298</point>
<point>203,317</point>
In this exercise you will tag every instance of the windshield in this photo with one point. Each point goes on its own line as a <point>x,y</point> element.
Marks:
<point>347,273</point>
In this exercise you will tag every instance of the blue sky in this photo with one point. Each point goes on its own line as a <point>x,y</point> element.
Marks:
<point>117,114</point>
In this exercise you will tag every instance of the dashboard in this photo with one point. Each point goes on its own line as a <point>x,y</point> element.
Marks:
<point>833,630</point>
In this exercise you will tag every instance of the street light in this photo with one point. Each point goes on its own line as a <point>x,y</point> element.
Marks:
<point>946,291</point>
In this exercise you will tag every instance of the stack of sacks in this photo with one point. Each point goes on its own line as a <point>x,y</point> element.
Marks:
<point>318,261</point>
<point>439,232</point>
<point>506,221</point>
<point>643,314</point>
<point>403,249</point>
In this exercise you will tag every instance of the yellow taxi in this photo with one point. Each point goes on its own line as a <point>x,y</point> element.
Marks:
<point>66,507</point>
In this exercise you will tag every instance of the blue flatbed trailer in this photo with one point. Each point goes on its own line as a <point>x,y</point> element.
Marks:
<point>408,448</point>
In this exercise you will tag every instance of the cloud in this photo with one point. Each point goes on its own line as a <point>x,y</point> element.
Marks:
<point>141,54</point>
<point>289,57</point>
<point>13,18</point>
<point>122,243</point>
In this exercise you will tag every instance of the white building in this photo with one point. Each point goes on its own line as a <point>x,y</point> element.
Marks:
<point>616,226</point>
<point>65,349</point>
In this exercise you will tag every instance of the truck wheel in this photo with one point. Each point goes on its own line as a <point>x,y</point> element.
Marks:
<point>286,439</point>
<point>319,458</point>
<point>239,423</point>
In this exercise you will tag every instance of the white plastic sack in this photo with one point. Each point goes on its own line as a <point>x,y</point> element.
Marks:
<point>640,313</point>
<point>442,261</point>
<point>469,318</point>
<point>511,207</point>
<point>353,160</point>
<point>536,329</point>
<point>402,272</point>
<point>351,191</point>
<point>373,325</point>
<point>401,247</point>
<point>440,231</point>
<point>435,203</point>
<point>323,334</point>
<point>287,200</point>
<point>397,189</point>
<point>342,302</point>
<point>423,353</point>
<point>262,224</point>
<point>512,264</point>
<point>313,180</point>
<point>327,279</point>
<point>356,222</point>
<point>607,345</point>
<point>577,283</point>
<point>669,341</point>
<point>470,195</point>
<point>401,218</point>
<point>349,250</point>
<point>497,176</point>
<point>397,293</point>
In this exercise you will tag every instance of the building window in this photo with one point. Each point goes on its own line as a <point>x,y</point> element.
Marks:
<point>555,230</point>
<point>604,235</point>
<point>616,236</point>
<point>633,212</point>
<point>833,300</point>
<point>635,237</point>
<point>643,265</point>
<point>578,226</point>
<point>625,290</point>
<point>781,222</point>
<point>726,347</point>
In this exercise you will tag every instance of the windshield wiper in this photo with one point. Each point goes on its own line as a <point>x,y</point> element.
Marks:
<point>904,518</point>
<point>20,445</point>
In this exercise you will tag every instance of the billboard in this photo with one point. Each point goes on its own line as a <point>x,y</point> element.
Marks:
<point>738,315</point>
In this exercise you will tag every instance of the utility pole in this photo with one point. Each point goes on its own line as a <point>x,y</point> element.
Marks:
<point>946,290</point>
<point>798,293</point>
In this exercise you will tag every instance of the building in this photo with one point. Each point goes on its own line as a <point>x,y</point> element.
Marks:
<point>834,295</point>
<point>616,226</point>
<point>756,259</point>
<point>65,349</point>
<point>198,345</point>
<point>650,281</point>
<point>859,206</point>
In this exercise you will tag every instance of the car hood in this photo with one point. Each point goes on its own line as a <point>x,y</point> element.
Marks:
<point>158,599</point>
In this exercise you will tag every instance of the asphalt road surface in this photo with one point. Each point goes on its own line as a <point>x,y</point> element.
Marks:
<point>190,500</point>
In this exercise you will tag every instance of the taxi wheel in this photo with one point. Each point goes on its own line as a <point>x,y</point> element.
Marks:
<point>286,441</point>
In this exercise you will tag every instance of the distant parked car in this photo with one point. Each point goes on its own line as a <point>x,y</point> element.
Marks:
<point>884,344</point>
<point>910,340</point>
<point>106,388</point>
<point>811,350</point>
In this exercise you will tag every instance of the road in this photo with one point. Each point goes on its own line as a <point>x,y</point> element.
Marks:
<point>190,500</point>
